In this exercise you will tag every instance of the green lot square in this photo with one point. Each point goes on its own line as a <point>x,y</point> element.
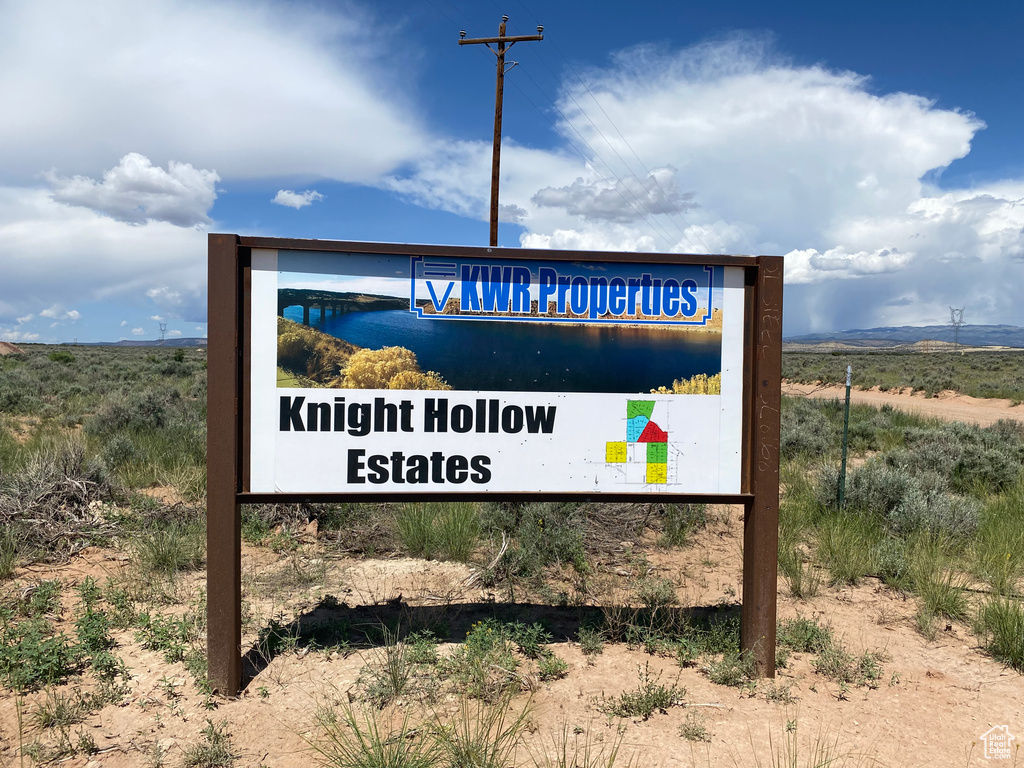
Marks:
<point>636,408</point>
<point>657,453</point>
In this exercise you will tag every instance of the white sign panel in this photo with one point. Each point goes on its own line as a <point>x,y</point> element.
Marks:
<point>406,374</point>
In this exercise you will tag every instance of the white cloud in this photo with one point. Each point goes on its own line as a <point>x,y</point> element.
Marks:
<point>252,89</point>
<point>124,323</point>
<point>135,191</point>
<point>623,200</point>
<point>801,161</point>
<point>69,254</point>
<point>138,331</point>
<point>9,334</point>
<point>174,333</point>
<point>25,319</point>
<point>157,318</point>
<point>296,200</point>
<point>55,312</point>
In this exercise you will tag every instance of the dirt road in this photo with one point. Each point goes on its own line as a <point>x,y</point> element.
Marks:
<point>946,405</point>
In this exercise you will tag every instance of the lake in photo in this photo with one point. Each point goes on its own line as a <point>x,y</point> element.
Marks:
<point>533,356</point>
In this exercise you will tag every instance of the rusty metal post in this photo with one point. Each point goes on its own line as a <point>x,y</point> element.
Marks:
<point>223,514</point>
<point>761,519</point>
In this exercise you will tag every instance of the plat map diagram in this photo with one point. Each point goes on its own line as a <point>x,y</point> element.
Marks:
<point>645,443</point>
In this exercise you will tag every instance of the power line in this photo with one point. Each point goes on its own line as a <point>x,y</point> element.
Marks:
<point>621,136</point>
<point>639,206</point>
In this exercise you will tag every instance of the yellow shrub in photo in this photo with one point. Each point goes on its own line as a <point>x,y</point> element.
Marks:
<point>375,368</point>
<point>416,380</point>
<point>700,384</point>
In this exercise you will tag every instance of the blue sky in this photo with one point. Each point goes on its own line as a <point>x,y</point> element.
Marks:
<point>878,146</point>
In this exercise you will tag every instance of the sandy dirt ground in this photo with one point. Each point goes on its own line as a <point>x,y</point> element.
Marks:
<point>948,406</point>
<point>932,705</point>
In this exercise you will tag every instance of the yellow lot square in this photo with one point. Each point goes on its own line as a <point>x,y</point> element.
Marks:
<point>615,453</point>
<point>657,473</point>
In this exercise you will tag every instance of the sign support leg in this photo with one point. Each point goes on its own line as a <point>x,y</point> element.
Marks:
<point>761,514</point>
<point>223,513</point>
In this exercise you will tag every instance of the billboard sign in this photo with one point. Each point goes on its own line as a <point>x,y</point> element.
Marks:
<point>399,373</point>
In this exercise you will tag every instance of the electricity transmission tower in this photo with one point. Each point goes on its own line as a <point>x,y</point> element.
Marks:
<point>504,43</point>
<point>956,319</point>
<point>163,332</point>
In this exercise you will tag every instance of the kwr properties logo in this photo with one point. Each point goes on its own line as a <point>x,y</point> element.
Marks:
<point>460,289</point>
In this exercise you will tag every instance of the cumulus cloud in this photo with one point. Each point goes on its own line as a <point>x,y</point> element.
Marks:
<point>138,331</point>
<point>56,312</point>
<point>135,191</point>
<point>622,200</point>
<point>800,161</point>
<point>251,89</point>
<point>11,334</point>
<point>68,254</point>
<point>291,199</point>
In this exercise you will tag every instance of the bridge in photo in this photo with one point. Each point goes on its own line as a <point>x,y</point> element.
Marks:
<point>334,303</point>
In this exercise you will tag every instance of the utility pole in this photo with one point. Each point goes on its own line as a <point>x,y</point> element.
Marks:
<point>501,40</point>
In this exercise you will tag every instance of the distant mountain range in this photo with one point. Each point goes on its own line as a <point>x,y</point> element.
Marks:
<point>970,335</point>
<point>177,342</point>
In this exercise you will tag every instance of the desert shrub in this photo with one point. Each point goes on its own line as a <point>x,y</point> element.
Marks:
<point>119,451</point>
<point>1001,626</point>
<point>133,411</point>
<point>937,513</point>
<point>891,564</point>
<point>61,356</point>
<point>46,502</point>
<point>990,469</point>
<point>680,521</point>
<point>447,530</point>
<point>539,533</point>
<point>805,429</point>
<point>648,697</point>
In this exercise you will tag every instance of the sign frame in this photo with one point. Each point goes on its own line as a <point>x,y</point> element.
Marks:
<point>229,357</point>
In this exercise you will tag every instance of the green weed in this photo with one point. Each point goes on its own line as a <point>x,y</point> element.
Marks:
<point>214,751</point>
<point>346,739</point>
<point>1000,625</point>
<point>650,696</point>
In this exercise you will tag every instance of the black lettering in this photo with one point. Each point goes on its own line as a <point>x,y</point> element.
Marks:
<point>435,416</point>
<point>378,466</point>
<point>462,418</point>
<point>419,469</point>
<point>324,410</point>
<point>512,418</point>
<point>456,469</point>
<point>540,419</point>
<point>492,416</point>
<point>355,464</point>
<point>437,467</point>
<point>384,412</point>
<point>397,458</point>
<point>481,472</point>
<point>406,408</point>
<point>339,414</point>
<point>481,415</point>
<point>359,419</point>
<point>291,413</point>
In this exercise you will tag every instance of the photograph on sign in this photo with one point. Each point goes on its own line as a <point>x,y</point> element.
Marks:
<point>463,372</point>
